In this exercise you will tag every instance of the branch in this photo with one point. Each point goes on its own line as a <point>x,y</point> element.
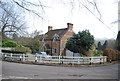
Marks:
<point>10,31</point>
<point>97,8</point>
<point>96,17</point>
<point>89,10</point>
<point>95,5</point>
<point>36,4</point>
<point>41,6</point>
<point>28,9</point>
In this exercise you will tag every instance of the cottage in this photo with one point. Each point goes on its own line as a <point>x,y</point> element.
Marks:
<point>55,40</point>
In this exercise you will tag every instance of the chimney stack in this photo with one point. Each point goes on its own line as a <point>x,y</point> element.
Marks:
<point>49,28</point>
<point>69,26</point>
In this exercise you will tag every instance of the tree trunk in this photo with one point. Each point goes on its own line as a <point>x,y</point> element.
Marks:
<point>4,37</point>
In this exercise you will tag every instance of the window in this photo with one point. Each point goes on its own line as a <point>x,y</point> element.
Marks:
<point>54,50</point>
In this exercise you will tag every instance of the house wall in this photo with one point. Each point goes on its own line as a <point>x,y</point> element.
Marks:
<point>64,39</point>
<point>61,44</point>
<point>55,51</point>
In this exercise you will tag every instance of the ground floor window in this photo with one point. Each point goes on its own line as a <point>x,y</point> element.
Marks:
<point>54,50</point>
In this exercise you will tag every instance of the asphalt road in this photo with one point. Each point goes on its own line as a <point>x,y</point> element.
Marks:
<point>26,71</point>
<point>0,70</point>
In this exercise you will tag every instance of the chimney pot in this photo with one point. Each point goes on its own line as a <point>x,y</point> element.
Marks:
<point>69,26</point>
<point>50,28</point>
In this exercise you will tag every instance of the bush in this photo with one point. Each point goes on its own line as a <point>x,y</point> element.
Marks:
<point>11,51</point>
<point>82,55</point>
<point>48,52</point>
<point>0,44</point>
<point>17,47</point>
<point>9,44</point>
<point>23,49</point>
<point>112,54</point>
<point>99,53</point>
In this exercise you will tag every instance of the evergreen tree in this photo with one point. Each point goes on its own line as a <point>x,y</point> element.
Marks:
<point>105,45</point>
<point>118,41</point>
<point>81,42</point>
<point>99,46</point>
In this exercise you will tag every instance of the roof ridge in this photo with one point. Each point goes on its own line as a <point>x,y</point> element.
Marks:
<point>58,29</point>
<point>60,32</point>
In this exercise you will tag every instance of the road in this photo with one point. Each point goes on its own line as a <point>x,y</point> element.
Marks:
<point>27,71</point>
<point>0,70</point>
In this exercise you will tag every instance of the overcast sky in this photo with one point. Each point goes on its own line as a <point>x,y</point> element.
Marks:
<point>58,15</point>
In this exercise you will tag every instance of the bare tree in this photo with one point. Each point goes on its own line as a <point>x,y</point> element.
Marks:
<point>10,21</point>
<point>29,5</point>
<point>88,5</point>
<point>36,34</point>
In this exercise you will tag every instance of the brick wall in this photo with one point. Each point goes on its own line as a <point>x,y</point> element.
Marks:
<point>64,41</point>
<point>59,46</point>
<point>55,51</point>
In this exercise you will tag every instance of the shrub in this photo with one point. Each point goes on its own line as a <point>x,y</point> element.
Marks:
<point>112,54</point>
<point>0,44</point>
<point>17,47</point>
<point>99,53</point>
<point>21,48</point>
<point>48,52</point>
<point>9,44</point>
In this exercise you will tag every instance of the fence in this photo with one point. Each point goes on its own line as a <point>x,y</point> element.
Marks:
<point>11,56</point>
<point>55,59</point>
<point>72,60</point>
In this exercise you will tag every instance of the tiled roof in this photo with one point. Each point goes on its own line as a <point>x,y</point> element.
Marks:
<point>60,32</point>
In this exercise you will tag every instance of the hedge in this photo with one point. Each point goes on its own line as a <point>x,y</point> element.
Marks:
<point>112,54</point>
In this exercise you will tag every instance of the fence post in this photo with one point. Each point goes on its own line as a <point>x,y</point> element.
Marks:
<point>23,57</point>
<point>83,60</point>
<point>59,58</point>
<point>100,60</point>
<point>103,59</point>
<point>110,60</point>
<point>40,57</point>
<point>20,58</point>
<point>35,58</point>
<point>5,57</point>
<point>11,55</point>
<point>62,59</point>
<point>78,60</point>
<point>90,61</point>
